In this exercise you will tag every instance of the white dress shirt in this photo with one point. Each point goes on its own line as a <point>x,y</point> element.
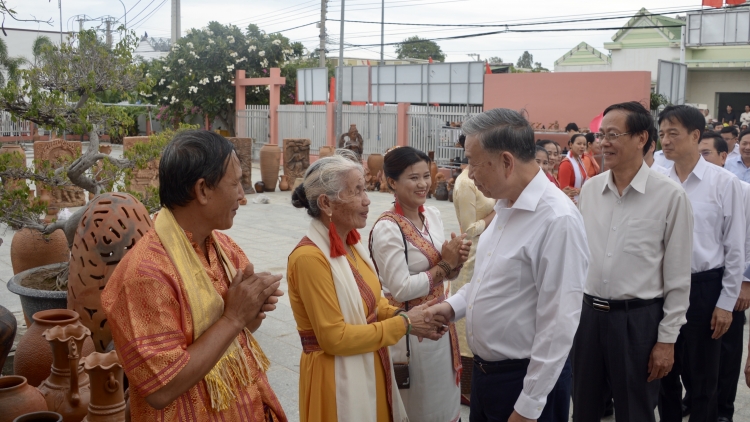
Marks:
<point>640,242</point>
<point>745,118</point>
<point>719,226</point>
<point>746,197</point>
<point>734,154</point>
<point>662,161</point>
<point>735,165</point>
<point>524,299</point>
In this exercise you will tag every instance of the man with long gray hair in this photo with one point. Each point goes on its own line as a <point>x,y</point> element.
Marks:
<point>524,299</point>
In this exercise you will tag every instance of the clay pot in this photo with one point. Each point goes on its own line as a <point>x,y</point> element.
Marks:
<point>375,163</point>
<point>259,187</point>
<point>35,300</point>
<point>284,183</point>
<point>107,394</point>
<point>33,358</point>
<point>40,417</point>
<point>270,156</point>
<point>433,174</point>
<point>30,248</point>
<point>67,389</point>
<point>111,226</point>
<point>441,193</point>
<point>7,333</point>
<point>326,151</point>
<point>18,398</point>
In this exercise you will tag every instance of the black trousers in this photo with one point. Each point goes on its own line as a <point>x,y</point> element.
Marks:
<point>730,364</point>
<point>697,353</point>
<point>493,395</point>
<point>612,350</point>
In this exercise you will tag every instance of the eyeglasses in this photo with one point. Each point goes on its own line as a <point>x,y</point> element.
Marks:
<point>611,136</point>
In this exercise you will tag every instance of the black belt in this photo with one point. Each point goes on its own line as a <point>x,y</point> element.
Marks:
<point>711,275</point>
<point>507,365</point>
<point>606,305</point>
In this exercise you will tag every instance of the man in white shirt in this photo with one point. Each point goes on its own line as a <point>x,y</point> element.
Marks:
<point>717,263</point>
<point>729,134</point>
<point>740,163</point>
<point>713,149</point>
<point>524,300</point>
<point>745,117</point>
<point>639,226</point>
<point>661,160</point>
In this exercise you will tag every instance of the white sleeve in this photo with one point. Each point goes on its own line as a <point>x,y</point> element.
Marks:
<point>388,256</point>
<point>733,239</point>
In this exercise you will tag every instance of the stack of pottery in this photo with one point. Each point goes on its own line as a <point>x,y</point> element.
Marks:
<point>18,398</point>
<point>270,159</point>
<point>67,389</point>
<point>33,358</point>
<point>107,394</point>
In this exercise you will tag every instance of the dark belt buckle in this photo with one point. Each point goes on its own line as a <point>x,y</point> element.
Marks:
<point>600,305</point>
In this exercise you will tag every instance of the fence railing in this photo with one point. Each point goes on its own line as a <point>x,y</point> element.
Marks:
<point>303,121</point>
<point>377,125</point>
<point>253,123</point>
<point>426,124</point>
<point>8,127</point>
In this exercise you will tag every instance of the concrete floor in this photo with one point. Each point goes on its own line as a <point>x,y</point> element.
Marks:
<point>268,233</point>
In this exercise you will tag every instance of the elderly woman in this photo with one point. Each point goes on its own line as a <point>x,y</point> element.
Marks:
<point>414,262</point>
<point>344,323</point>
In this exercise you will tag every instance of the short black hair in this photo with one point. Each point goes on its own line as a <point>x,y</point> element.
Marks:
<point>541,149</point>
<point>730,129</point>
<point>590,138</point>
<point>462,140</point>
<point>744,133</point>
<point>719,143</point>
<point>689,117</point>
<point>571,126</point>
<point>543,142</point>
<point>190,156</point>
<point>639,120</point>
<point>397,160</point>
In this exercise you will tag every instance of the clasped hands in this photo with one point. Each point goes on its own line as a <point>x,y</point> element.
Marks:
<point>250,296</point>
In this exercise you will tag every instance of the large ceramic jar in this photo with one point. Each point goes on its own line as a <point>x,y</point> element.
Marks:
<point>30,248</point>
<point>111,225</point>
<point>67,389</point>
<point>7,333</point>
<point>33,358</point>
<point>107,394</point>
<point>374,164</point>
<point>18,398</point>
<point>270,159</point>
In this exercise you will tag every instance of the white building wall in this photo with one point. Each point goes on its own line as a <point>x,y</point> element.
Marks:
<point>643,59</point>
<point>584,68</point>
<point>703,85</point>
<point>21,41</point>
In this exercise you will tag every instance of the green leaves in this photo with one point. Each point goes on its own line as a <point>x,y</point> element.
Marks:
<point>420,48</point>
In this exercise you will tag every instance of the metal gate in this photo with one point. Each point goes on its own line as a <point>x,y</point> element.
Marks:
<point>253,123</point>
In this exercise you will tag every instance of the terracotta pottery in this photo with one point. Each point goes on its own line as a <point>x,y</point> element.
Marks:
<point>34,300</point>
<point>326,151</point>
<point>270,156</point>
<point>243,201</point>
<point>30,248</point>
<point>33,358</point>
<point>7,333</point>
<point>284,183</point>
<point>46,416</point>
<point>67,389</point>
<point>259,187</point>
<point>18,398</point>
<point>375,163</point>
<point>441,193</point>
<point>433,174</point>
<point>111,225</point>
<point>107,394</point>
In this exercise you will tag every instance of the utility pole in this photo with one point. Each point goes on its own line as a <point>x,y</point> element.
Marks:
<point>340,78</point>
<point>322,51</point>
<point>476,56</point>
<point>176,31</point>
<point>126,15</point>
<point>59,5</point>
<point>108,31</point>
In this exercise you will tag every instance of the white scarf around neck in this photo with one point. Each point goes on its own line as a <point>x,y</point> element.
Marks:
<point>356,397</point>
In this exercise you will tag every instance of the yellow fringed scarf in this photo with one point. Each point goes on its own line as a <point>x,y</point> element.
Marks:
<point>231,372</point>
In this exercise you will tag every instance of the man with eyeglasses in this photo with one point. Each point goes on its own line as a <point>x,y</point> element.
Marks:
<point>717,263</point>
<point>739,164</point>
<point>729,134</point>
<point>713,148</point>
<point>639,223</point>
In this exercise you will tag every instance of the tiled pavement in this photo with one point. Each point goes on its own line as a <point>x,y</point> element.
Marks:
<point>268,233</point>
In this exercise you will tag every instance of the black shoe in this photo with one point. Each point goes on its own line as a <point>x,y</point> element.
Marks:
<point>609,409</point>
<point>685,410</point>
<point>723,419</point>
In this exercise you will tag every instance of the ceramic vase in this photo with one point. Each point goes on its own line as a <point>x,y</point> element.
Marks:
<point>18,398</point>
<point>284,183</point>
<point>441,193</point>
<point>67,389</point>
<point>30,249</point>
<point>270,157</point>
<point>110,227</point>
<point>375,164</point>
<point>7,333</point>
<point>33,358</point>
<point>45,416</point>
<point>107,395</point>
<point>259,187</point>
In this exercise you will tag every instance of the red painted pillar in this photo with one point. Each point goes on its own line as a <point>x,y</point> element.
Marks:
<point>331,124</point>
<point>402,124</point>
<point>239,99</point>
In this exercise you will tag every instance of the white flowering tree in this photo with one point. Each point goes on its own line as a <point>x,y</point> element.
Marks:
<point>197,75</point>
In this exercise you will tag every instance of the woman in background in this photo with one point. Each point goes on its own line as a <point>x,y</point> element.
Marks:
<point>572,171</point>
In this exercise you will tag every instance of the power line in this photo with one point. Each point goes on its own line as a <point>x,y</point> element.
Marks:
<point>142,10</point>
<point>289,29</point>
<point>136,4</point>
<point>145,18</point>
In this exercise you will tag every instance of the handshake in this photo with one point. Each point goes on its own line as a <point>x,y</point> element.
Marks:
<point>430,320</point>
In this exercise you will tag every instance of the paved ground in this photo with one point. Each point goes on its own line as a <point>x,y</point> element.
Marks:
<point>268,233</point>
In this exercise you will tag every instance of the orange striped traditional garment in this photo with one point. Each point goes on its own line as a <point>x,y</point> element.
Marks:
<point>149,313</point>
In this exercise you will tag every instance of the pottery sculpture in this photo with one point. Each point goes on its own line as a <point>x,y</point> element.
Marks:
<point>33,358</point>
<point>374,166</point>
<point>284,183</point>
<point>18,398</point>
<point>111,225</point>
<point>67,389</point>
<point>270,157</point>
<point>107,394</point>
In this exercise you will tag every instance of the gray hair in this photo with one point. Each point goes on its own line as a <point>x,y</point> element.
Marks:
<point>327,176</point>
<point>502,129</point>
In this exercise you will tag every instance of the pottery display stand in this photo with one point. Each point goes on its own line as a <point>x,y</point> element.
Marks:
<point>67,389</point>
<point>18,398</point>
<point>110,227</point>
<point>145,177</point>
<point>244,148</point>
<point>107,394</point>
<point>57,152</point>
